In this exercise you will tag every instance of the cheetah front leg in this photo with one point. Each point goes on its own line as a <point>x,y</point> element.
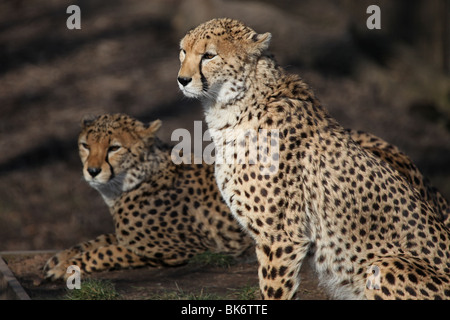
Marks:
<point>100,259</point>
<point>63,256</point>
<point>279,267</point>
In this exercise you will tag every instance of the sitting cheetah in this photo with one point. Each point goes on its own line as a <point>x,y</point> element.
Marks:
<point>164,214</point>
<point>326,196</point>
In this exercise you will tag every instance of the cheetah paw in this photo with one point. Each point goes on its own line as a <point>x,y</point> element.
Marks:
<point>57,272</point>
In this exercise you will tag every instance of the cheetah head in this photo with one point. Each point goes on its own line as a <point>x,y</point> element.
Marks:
<point>111,148</point>
<point>216,58</point>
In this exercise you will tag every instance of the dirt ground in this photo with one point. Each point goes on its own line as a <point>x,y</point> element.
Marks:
<point>393,82</point>
<point>192,281</point>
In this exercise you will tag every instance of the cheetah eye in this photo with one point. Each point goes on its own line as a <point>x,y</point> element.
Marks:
<point>113,148</point>
<point>208,56</point>
<point>85,145</point>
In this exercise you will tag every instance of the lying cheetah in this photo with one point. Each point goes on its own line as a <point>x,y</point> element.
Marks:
<point>322,194</point>
<point>164,214</point>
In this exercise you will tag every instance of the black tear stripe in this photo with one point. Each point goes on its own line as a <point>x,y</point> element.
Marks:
<point>111,169</point>
<point>205,85</point>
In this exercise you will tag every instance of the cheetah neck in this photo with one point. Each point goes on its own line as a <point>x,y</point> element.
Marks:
<point>159,167</point>
<point>155,169</point>
<point>226,109</point>
<point>264,84</point>
<point>111,190</point>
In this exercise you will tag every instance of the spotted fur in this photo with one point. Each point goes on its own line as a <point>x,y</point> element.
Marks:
<point>328,197</point>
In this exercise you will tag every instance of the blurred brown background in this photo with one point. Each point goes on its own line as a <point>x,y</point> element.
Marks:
<point>393,82</point>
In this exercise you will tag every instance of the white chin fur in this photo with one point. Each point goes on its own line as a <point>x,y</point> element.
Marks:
<point>188,93</point>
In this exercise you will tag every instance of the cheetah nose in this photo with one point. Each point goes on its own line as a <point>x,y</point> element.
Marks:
<point>94,171</point>
<point>184,81</point>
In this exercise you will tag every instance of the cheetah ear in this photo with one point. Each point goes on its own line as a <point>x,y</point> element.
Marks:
<point>154,126</point>
<point>148,133</point>
<point>87,120</point>
<point>259,42</point>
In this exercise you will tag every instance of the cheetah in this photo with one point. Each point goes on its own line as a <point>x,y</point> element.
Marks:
<point>323,195</point>
<point>163,213</point>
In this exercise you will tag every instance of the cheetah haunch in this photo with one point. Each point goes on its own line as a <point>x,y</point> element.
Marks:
<point>328,197</point>
<point>163,213</point>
